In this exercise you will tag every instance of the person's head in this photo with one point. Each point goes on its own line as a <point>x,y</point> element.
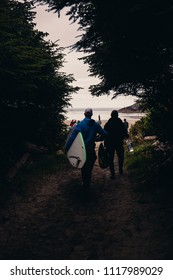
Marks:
<point>88,112</point>
<point>124,120</point>
<point>114,114</point>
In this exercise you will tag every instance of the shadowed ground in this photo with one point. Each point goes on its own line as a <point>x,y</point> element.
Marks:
<point>57,219</point>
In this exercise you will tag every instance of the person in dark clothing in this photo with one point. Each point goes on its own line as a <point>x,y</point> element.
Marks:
<point>126,124</point>
<point>115,141</point>
<point>89,129</point>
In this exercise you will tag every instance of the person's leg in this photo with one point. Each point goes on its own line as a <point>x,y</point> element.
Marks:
<point>86,170</point>
<point>120,155</point>
<point>86,178</point>
<point>111,152</point>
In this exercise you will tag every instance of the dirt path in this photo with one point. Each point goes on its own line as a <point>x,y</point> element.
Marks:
<point>59,220</point>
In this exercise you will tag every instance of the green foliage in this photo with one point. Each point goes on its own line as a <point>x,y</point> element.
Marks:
<point>128,45</point>
<point>151,164</point>
<point>157,122</point>
<point>33,92</point>
<point>143,127</point>
<point>127,42</point>
<point>138,161</point>
<point>161,116</point>
<point>150,167</point>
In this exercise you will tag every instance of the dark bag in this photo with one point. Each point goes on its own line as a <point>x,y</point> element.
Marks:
<point>103,156</point>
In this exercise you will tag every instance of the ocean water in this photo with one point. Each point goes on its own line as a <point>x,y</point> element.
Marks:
<point>104,113</point>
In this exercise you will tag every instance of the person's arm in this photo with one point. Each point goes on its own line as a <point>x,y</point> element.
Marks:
<point>101,131</point>
<point>107,126</point>
<point>71,138</point>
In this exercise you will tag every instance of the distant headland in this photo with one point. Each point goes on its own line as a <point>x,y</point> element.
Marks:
<point>135,108</point>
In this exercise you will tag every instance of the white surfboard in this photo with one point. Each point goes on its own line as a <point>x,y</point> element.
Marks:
<point>77,152</point>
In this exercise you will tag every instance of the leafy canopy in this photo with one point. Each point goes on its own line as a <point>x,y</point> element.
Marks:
<point>34,92</point>
<point>127,43</point>
<point>129,46</point>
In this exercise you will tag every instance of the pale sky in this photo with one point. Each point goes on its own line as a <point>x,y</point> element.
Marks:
<point>61,29</point>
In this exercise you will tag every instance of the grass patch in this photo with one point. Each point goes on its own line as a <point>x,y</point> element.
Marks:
<point>37,168</point>
<point>45,164</point>
<point>149,168</point>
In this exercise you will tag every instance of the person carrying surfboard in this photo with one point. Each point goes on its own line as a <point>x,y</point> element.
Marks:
<point>89,129</point>
<point>115,141</point>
